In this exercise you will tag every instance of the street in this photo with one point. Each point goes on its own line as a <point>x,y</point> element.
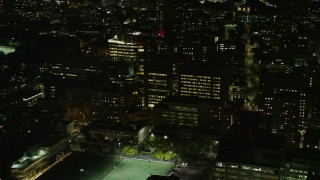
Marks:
<point>50,166</point>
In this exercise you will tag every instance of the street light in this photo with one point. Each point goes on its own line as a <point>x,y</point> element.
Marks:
<point>81,170</point>
<point>119,150</point>
<point>171,158</point>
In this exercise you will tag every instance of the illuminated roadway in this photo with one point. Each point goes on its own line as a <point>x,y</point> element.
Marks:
<point>50,166</point>
<point>251,77</point>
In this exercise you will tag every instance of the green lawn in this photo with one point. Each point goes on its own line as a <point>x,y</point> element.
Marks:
<point>81,166</point>
<point>133,169</point>
<point>97,167</point>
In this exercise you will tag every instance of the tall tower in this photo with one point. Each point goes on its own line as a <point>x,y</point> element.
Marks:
<point>166,17</point>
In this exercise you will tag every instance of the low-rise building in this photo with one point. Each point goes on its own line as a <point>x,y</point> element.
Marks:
<point>21,98</point>
<point>130,134</point>
<point>29,164</point>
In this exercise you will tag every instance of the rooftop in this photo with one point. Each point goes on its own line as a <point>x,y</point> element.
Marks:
<point>246,143</point>
<point>28,159</point>
<point>305,156</point>
<point>157,177</point>
<point>22,94</point>
<point>51,140</point>
<point>7,49</point>
<point>116,127</point>
<point>189,100</point>
<point>312,136</point>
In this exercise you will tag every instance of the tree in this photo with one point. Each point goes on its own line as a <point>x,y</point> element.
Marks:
<point>168,155</point>
<point>130,151</point>
<point>158,154</point>
<point>133,151</point>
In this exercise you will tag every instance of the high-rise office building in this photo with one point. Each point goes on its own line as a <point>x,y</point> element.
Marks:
<point>285,100</point>
<point>71,68</point>
<point>159,82</point>
<point>202,81</point>
<point>111,106</point>
<point>301,164</point>
<point>314,110</point>
<point>248,152</point>
<point>129,48</point>
<point>187,111</point>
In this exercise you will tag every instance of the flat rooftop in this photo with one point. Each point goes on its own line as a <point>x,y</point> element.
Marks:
<point>28,159</point>
<point>22,94</point>
<point>7,49</point>
<point>51,140</point>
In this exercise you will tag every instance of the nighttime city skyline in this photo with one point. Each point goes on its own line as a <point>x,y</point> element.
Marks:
<point>160,89</point>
